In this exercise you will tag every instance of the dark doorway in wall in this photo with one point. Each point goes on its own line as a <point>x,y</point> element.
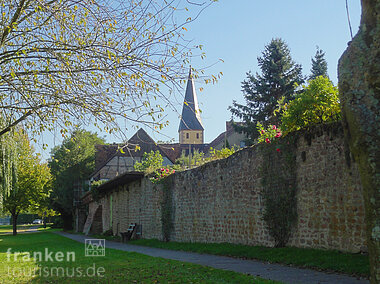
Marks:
<point>97,222</point>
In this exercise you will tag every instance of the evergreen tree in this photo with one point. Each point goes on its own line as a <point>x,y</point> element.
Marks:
<point>318,65</point>
<point>279,77</point>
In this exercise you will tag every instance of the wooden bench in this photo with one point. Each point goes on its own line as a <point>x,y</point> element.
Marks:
<point>126,236</point>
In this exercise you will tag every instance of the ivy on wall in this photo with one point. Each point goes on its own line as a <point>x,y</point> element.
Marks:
<point>96,193</point>
<point>167,208</point>
<point>279,188</point>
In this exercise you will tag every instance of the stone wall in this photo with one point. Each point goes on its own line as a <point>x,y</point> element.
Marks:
<point>137,202</point>
<point>330,199</point>
<point>221,201</point>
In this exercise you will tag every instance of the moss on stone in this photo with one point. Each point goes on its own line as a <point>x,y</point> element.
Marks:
<point>359,88</point>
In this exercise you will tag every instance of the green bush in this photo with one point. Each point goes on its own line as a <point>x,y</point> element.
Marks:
<point>108,233</point>
<point>197,158</point>
<point>95,192</point>
<point>150,162</point>
<point>318,102</point>
<point>268,135</point>
<point>221,154</point>
<point>58,223</point>
<point>25,219</point>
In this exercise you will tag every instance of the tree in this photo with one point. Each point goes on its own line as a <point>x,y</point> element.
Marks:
<point>317,102</point>
<point>359,91</point>
<point>150,162</point>
<point>195,158</point>
<point>279,77</point>
<point>71,164</point>
<point>30,179</point>
<point>91,61</point>
<point>318,65</point>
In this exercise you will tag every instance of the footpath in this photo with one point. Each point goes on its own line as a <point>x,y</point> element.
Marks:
<point>278,272</point>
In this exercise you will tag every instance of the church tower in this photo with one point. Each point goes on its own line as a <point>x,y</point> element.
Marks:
<point>190,128</point>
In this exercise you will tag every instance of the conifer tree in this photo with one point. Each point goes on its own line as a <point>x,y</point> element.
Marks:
<point>279,77</point>
<point>318,65</point>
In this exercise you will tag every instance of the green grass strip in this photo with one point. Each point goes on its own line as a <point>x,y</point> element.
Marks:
<point>8,229</point>
<point>118,266</point>
<point>354,264</point>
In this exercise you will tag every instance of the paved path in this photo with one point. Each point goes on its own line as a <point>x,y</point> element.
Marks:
<point>32,229</point>
<point>277,272</point>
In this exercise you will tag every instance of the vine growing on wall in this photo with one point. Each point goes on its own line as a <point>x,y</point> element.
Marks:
<point>96,193</point>
<point>279,188</point>
<point>167,208</point>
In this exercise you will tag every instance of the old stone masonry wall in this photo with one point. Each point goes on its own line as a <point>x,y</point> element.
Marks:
<point>221,201</point>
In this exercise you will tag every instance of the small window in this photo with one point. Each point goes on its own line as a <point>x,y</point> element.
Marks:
<point>197,135</point>
<point>187,135</point>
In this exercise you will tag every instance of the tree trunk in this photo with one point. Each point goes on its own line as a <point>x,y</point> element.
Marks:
<point>359,88</point>
<point>14,223</point>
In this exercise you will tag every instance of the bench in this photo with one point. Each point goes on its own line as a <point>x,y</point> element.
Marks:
<point>126,236</point>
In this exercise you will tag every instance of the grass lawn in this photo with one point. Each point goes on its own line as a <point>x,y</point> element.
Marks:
<point>355,264</point>
<point>6,229</point>
<point>115,267</point>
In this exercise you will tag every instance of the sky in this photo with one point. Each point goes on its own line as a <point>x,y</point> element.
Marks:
<point>237,32</point>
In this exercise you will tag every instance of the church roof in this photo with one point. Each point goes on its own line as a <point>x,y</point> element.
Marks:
<point>191,116</point>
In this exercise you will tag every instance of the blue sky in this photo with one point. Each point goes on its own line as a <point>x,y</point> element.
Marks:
<point>237,31</point>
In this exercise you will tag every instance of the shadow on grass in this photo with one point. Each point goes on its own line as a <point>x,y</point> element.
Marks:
<point>115,267</point>
<point>326,260</point>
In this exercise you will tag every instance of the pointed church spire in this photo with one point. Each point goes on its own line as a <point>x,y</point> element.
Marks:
<point>191,116</point>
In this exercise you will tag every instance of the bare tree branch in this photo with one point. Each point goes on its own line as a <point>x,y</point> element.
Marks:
<point>102,61</point>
